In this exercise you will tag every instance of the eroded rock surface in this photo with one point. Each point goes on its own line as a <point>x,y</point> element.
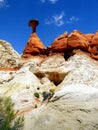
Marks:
<point>8,56</point>
<point>34,46</point>
<point>93,46</point>
<point>76,40</point>
<point>64,44</point>
<point>59,44</point>
<point>72,105</point>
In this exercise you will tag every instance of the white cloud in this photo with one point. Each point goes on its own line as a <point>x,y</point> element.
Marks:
<point>52,1</point>
<point>43,1</point>
<point>57,19</point>
<point>3,3</point>
<point>72,20</point>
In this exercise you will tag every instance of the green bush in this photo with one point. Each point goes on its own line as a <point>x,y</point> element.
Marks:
<point>8,120</point>
<point>48,95</point>
<point>52,91</point>
<point>36,94</point>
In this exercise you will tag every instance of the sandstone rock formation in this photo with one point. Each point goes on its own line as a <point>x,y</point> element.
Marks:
<point>64,44</point>
<point>67,89</point>
<point>34,46</point>
<point>73,104</point>
<point>76,40</point>
<point>59,44</point>
<point>89,36</point>
<point>93,45</point>
<point>8,56</point>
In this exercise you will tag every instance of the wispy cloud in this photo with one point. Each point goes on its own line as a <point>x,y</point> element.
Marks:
<point>51,1</point>
<point>3,4</point>
<point>57,19</point>
<point>43,1</point>
<point>72,19</point>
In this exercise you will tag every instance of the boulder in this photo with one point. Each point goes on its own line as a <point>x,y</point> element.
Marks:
<point>59,45</point>
<point>89,36</point>
<point>95,39</point>
<point>77,40</point>
<point>93,46</point>
<point>62,36</point>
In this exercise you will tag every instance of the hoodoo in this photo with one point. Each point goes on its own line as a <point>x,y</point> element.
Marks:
<point>34,45</point>
<point>33,23</point>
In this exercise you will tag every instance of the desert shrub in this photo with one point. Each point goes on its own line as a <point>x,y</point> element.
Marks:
<point>44,94</point>
<point>48,95</point>
<point>36,94</point>
<point>8,120</point>
<point>52,91</point>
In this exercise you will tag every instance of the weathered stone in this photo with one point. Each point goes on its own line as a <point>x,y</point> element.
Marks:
<point>34,46</point>
<point>8,56</point>
<point>74,104</point>
<point>33,23</point>
<point>93,46</point>
<point>65,35</point>
<point>95,39</point>
<point>73,83</point>
<point>77,40</point>
<point>89,36</point>
<point>59,45</point>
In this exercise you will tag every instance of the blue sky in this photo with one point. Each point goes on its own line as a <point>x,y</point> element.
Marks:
<point>55,17</point>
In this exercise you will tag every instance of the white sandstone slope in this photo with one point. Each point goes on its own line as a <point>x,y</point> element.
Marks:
<point>8,56</point>
<point>74,105</point>
<point>76,92</point>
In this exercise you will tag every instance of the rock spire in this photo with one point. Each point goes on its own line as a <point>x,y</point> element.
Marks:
<point>34,45</point>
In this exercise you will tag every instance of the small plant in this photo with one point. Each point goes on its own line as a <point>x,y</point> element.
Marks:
<point>44,93</point>
<point>52,91</point>
<point>36,95</point>
<point>8,120</point>
<point>47,95</point>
